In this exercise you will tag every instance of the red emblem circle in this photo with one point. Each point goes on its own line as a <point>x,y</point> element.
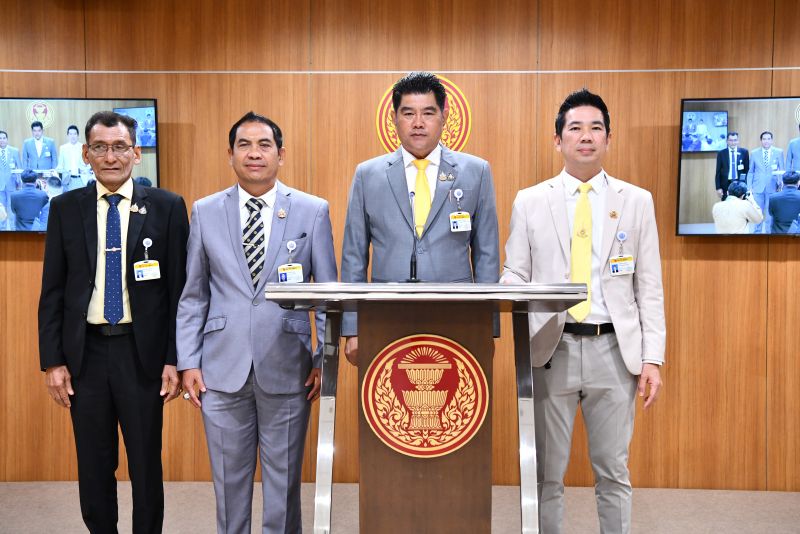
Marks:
<point>456,130</point>
<point>425,396</point>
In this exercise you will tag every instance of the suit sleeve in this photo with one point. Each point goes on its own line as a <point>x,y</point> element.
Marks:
<point>323,269</point>
<point>647,286</point>
<point>355,247</point>
<point>24,155</point>
<point>485,246</point>
<point>53,153</point>
<point>751,169</point>
<point>51,299</point>
<point>176,270</point>
<point>194,302</point>
<point>518,265</point>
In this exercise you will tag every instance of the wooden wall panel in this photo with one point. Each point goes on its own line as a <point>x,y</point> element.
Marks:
<point>786,44</point>
<point>180,35</point>
<point>630,34</point>
<point>417,35</point>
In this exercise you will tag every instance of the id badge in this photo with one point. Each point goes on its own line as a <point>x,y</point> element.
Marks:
<point>621,265</point>
<point>460,221</point>
<point>774,166</point>
<point>146,270</point>
<point>290,273</point>
<point>741,167</point>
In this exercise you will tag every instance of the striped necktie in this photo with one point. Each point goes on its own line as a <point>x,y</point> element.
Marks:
<point>253,238</point>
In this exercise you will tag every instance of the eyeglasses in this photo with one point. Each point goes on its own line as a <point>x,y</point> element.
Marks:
<point>100,149</point>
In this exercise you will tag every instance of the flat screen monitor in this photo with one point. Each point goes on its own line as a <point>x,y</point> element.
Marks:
<point>703,131</point>
<point>742,186</point>
<point>55,156</point>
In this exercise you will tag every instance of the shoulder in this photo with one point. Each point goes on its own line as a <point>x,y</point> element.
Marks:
<point>464,160</point>
<point>212,199</point>
<point>537,192</point>
<point>158,195</point>
<point>301,198</point>
<point>628,190</point>
<point>377,163</point>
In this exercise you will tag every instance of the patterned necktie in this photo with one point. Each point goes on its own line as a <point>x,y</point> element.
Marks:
<point>733,165</point>
<point>112,298</point>
<point>253,238</point>
<point>766,158</point>
<point>581,260</point>
<point>422,196</point>
<point>3,157</point>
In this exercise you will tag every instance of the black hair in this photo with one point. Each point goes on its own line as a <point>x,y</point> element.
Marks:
<point>255,117</point>
<point>73,127</point>
<point>791,177</point>
<point>737,189</point>
<point>109,119</point>
<point>34,124</point>
<point>418,83</point>
<point>766,132</point>
<point>28,176</point>
<point>582,98</point>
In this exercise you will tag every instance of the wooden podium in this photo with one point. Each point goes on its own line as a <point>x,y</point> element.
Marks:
<point>410,491</point>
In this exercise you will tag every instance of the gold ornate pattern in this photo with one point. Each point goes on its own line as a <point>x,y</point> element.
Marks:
<point>425,396</point>
<point>42,111</point>
<point>456,130</point>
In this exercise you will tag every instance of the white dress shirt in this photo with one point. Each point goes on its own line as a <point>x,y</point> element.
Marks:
<point>39,144</point>
<point>266,211</point>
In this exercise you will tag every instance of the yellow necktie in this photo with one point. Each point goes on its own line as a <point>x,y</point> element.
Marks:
<point>422,196</point>
<point>581,261</point>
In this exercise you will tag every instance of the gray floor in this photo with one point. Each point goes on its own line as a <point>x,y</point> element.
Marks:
<point>33,507</point>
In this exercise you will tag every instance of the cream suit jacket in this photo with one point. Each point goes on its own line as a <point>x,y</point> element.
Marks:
<point>538,251</point>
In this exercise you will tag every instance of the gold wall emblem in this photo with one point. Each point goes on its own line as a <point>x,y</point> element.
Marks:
<point>42,111</point>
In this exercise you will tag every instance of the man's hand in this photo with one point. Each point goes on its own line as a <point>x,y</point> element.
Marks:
<point>192,377</point>
<point>651,374</point>
<point>313,380</point>
<point>351,349</point>
<point>719,193</point>
<point>170,384</point>
<point>59,385</point>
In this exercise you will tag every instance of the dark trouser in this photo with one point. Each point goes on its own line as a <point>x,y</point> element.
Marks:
<point>113,389</point>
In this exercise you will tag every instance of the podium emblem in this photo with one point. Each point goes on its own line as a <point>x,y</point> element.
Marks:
<point>456,129</point>
<point>425,396</point>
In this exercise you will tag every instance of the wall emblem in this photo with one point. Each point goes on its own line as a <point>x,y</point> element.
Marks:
<point>456,130</point>
<point>425,396</point>
<point>41,111</point>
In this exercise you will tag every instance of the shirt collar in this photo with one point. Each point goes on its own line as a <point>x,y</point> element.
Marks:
<point>571,184</point>
<point>435,157</point>
<point>126,190</point>
<point>268,197</point>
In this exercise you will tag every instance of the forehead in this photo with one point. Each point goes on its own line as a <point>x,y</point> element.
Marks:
<point>766,136</point>
<point>3,135</point>
<point>583,114</point>
<point>36,127</point>
<point>418,101</point>
<point>254,130</point>
<point>109,134</point>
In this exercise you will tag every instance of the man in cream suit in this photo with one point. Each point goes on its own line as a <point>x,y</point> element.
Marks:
<point>410,195</point>
<point>585,226</point>
<point>251,360</point>
<point>764,177</point>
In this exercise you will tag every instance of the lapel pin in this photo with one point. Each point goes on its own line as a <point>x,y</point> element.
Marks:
<point>281,213</point>
<point>134,208</point>
<point>143,210</point>
<point>442,177</point>
<point>450,177</point>
<point>613,214</point>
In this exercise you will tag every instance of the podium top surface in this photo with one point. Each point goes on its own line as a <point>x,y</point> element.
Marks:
<point>505,297</point>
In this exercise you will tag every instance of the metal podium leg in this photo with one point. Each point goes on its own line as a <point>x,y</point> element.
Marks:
<point>529,498</point>
<point>327,416</point>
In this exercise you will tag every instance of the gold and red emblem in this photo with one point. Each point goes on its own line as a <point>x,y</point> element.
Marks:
<point>425,396</point>
<point>42,111</point>
<point>456,130</point>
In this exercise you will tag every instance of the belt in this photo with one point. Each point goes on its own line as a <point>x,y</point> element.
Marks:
<point>581,329</point>
<point>110,329</point>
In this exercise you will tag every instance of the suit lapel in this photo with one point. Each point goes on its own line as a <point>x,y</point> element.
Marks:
<point>396,175</point>
<point>136,219</point>
<point>558,210</point>
<point>447,166</point>
<point>232,215</point>
<point>282,202</point>
<point>614,203</point>
<point>88,204</point>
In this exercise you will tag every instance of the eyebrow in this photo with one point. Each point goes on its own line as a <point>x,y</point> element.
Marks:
<point>572,123</point>
<point>245,140</point>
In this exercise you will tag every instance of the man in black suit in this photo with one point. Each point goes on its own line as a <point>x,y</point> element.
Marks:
<point>785,205</point>
<point>731,162</point>
<point>114,269</point>
<point>28,202</point>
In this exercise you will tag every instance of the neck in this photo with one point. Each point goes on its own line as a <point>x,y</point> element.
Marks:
<point>583,174</point>
<point>257,190</point>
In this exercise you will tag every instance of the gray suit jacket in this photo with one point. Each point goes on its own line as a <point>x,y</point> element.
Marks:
<point>759,177</point>
<point>793,155</point>
<point>48,159</point>
<point>224,325</point>
<point>8,180</point>
<point>379,214</point>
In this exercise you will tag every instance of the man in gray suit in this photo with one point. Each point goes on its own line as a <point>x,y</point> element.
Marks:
<point>793,154</point>
<point>763,178</point>
<point>39,152</point>
<point>9,180</point>
<point>403,204</point>
<point>251,360</point>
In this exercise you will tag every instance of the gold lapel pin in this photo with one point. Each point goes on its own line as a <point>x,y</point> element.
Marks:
<point>442,177</point>
<point>134,208</point>
<point>281,213</point>
<point>613,214</point>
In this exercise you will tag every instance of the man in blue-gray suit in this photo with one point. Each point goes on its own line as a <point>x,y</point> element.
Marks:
<point>763,178</point>
<point>252,361</point>
<point>39,152</point>
<point>785,206</point>
<point>411,196</point>
<point>9,180</point>
<point>793,154</point>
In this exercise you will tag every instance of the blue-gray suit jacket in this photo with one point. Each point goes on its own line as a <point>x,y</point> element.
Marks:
<point>379,214</point>
<point>760,177</point>
<point>10,181</point>
<point>31,160</point>
<point>224,325</point>
<point>793,155</point>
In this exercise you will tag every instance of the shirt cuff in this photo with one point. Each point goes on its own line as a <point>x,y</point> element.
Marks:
<point>654,362</point>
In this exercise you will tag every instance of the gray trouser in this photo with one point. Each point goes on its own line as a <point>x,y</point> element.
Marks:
<point>238,424</point>
<point>590,371</point>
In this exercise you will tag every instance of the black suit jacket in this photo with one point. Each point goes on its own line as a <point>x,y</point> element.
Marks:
<point>27,204</point>
<point>70,261</point>
<point>784,208</point>
<point>724,166</point>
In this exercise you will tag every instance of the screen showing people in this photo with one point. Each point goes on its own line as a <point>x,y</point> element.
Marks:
<point>41,153</point>
<point>748,183</point>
